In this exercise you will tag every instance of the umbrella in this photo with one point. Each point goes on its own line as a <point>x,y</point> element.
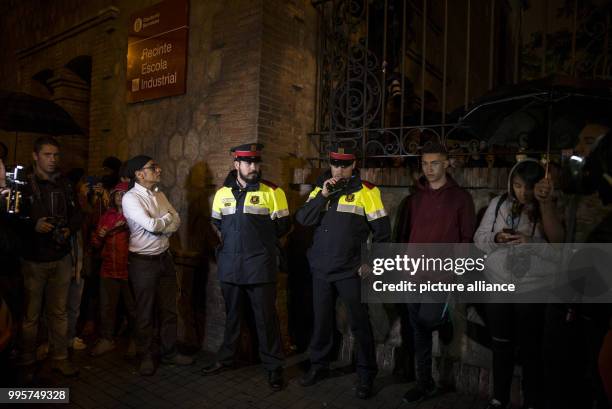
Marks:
<point>20,112</point>
<point>540,115</point>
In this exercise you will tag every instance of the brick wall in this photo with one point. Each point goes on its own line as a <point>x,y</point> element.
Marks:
<point>251,77</point>
<point>57,33</point>
<point>287,83</point>
<point>190,135</point>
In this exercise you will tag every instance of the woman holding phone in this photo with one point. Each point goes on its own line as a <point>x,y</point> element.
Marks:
<point>525,214</point>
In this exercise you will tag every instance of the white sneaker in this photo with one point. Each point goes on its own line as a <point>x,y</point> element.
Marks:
<point>78,344</point>
<point>102,346</point>
<point>494,404</point>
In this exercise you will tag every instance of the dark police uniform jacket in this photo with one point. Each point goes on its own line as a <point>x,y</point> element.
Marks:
<point>343,223</point>
<point>251,221</point>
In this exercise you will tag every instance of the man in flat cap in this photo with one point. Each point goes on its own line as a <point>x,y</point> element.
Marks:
<point>250,215</point>
<point>345,210</point>
<point>152,220</point>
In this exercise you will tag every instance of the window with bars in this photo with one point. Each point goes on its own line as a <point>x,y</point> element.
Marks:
<point>394,75</point>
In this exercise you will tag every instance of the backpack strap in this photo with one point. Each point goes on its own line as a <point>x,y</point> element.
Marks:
<point>501,201</point>
<point>36,195</point>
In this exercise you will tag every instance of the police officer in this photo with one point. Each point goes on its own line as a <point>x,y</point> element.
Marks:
<point>345,210</point>
<point>250,215</point>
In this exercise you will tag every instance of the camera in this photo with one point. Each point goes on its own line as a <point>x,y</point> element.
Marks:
<point>334,188</point>
<point>59,223</point>
<point>92,181</point>
<point>15,181</point>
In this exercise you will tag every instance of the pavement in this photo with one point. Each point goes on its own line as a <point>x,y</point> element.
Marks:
<point>112,381</point>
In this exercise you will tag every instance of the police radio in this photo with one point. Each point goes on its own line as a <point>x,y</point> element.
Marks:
<point>334,188</point>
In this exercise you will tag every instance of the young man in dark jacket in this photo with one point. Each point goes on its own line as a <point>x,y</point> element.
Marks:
<point>344,218</point>
<point>439,212</point>
<point>53,218</point>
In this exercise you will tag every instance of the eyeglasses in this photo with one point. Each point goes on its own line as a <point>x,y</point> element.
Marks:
<point>341,163</point>
<point>152,167</point>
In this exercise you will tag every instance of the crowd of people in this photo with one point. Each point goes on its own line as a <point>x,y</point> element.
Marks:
<point>100,246</point>
<point>93,247</point>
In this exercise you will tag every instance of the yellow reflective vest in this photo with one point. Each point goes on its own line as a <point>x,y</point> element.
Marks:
<point>251,220</point>
<point>343,223</point>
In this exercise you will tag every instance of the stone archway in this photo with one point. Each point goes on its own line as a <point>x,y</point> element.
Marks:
<point>73,65</point>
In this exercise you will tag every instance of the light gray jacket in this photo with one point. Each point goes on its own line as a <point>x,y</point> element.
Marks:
<point>530,266</point>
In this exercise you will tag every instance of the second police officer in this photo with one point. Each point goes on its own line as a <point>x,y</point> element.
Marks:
<point>345,210</point>
<point>250,215</point>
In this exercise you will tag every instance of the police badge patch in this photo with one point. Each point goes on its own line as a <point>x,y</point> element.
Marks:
<point>350,197</point>
<point>254,199</point>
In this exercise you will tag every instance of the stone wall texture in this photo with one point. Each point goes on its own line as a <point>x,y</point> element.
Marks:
<point>251,77</point>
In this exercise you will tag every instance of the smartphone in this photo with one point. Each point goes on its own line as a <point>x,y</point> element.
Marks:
<point>509,231</point>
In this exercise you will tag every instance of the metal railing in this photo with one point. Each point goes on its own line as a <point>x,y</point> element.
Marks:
<point>366,98</point>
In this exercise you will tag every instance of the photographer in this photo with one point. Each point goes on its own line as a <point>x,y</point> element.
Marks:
<point>9,243</point>
<point>53,217</point>
<point>3,187</point>
<point>10,301</point>
<point>94,198</point>
<point>94,193</point>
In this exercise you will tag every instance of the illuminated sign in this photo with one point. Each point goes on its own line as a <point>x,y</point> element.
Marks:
<point>157,51</point>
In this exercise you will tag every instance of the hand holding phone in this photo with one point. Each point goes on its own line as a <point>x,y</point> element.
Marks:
<point>506,235</point>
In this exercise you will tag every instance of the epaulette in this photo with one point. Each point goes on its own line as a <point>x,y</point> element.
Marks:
<point>368,184</point>
<point>269,184</point>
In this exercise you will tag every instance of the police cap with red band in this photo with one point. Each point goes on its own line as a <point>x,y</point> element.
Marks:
<point>342,153</point>
<point>249,152</point>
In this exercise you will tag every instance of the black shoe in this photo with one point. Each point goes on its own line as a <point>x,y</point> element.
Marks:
<point>364,389</point>
<point>65,367</point>
<point>420,393</point>
<point>275,379</point>
<point>147,366</point>
<point>215,368</point>
<point>26,375</point>
<point>177,359</point>
<point>313,376</point>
